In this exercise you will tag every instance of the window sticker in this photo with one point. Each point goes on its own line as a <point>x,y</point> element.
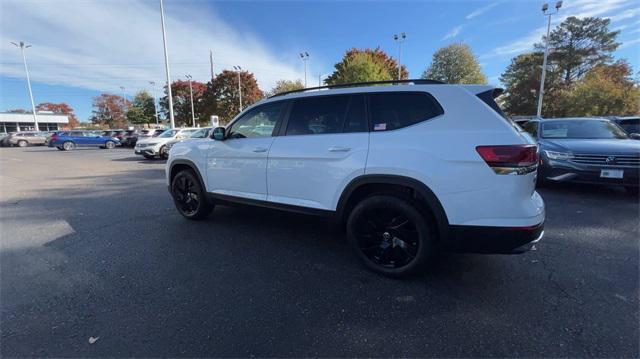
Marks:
<point>380,127</point>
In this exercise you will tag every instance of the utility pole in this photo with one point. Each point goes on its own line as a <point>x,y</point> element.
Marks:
<point>305,57</point>
<point>238,69</point>
<point>545,7</point>
<point>155,106</point>
<point>211,63</point>
<point>23,46</point>
<point>124,98</point>
<point>193,116</point>
<point>399,39</point>
<point>166,65</point>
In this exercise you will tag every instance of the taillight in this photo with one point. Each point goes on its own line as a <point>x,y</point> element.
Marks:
<point>510,159</point>
<point>54,137</point>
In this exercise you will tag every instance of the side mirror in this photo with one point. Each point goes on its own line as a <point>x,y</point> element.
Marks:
<point>635,136</point>
<point>218,134</point>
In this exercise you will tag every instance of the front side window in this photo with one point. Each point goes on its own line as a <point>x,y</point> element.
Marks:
<point>317,115</point>
<point>259,122</point>
<point>582,129</point>
<point>391,111</point>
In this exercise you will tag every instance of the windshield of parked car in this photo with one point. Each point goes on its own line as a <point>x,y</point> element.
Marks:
<point>582,129</point>
<point>168,133</point>
<point>201,133</point>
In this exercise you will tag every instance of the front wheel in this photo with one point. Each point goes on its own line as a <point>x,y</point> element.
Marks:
<point>390,235</point>
<point>164,153</point>
<point>68,146</point>
<point>189,196</point>
<point>23,143</point>
<point>109,145</point>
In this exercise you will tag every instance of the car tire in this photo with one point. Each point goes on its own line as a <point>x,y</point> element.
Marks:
<point>391,235</point>
<point>164,154</point>
<point>189,196</point>
<point>22,143</point>
<point>68,146</point>
<point>633,190</point>
<point>109,145</point>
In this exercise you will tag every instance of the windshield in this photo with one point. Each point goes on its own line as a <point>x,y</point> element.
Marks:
<point>168,133</point>
<point>202,133</point>
<point>585,129</point>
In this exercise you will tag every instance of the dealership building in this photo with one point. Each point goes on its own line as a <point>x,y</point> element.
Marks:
<point>47,121</point>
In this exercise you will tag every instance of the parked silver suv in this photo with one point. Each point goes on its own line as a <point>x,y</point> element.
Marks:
<point>24,139</point>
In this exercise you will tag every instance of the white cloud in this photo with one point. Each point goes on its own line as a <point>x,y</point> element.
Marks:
<point>481,11</point>
<point>453,32</point>
<point>577,8</point>
<point>102,45</point>
<point>629,43</point>
<point>627,14</point>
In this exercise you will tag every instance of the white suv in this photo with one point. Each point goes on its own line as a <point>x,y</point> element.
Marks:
<point>151,147</point>
<point>407,169</point>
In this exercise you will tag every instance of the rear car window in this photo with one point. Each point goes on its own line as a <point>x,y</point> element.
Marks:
<point>317,115</point>
<point>391,111</point>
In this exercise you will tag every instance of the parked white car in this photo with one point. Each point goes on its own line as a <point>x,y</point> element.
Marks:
<point>407,169</point>
<point>203,132</point>
<point>151,147</point>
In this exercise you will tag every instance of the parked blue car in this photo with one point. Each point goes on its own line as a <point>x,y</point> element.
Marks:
<point>69,140</point>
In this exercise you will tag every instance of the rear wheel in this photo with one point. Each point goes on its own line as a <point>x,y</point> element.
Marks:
<point>68,146</point>
<point>22,143</point>
<point>109,145</point>
<point>390,235</point>
<point>189,195</point>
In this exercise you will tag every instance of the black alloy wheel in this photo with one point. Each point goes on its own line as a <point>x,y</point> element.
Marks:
<point>189,196</point>
<point>390,235</point>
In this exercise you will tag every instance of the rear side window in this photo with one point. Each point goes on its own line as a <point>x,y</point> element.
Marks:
<point>391,111</point>
<point>317,115</point>
<point>356,120</point>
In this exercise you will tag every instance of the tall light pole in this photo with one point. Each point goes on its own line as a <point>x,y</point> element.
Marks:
<point>21,45</point>
<point>238,69</point>
<point>305,57</point>
<point>124,97</point>
<point>193,116</point>
<point>399,39</point>
<point>545,7</point>
<point>155,106</point>
<point>166,66</point>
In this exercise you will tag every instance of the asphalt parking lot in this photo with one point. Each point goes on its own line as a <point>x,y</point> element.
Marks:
<point>95,261</point>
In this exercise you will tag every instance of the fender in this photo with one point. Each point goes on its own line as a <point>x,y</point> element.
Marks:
<point>191,165</point>
<point>423,190</point>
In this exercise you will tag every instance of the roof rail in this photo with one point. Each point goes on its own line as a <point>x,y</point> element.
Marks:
<point>369,83</point>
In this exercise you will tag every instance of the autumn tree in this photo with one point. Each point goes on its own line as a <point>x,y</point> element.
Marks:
<point>222,97</point>
<point>285,86</point>
<point>455,64</point>
<point>579,45</point>
<point>182,102</point>
<point>605,90</point>
<point>142,109</point>
<point>365,65</point>
<point>109,111</point>
<point>60,108</point>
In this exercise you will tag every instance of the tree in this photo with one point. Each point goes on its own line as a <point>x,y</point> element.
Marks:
<point>109,111</point>
<point>579,45</point>
<point>222,96</point>
<point>605,90</point>
<point>365,65</point>
<point>182,102</point>
<point>455,64</point>
<point>142,110</point>
<point>522,83</point>
<point>285,86</point>
<point>60,108</point>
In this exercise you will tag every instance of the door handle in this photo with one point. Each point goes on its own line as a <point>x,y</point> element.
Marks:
<point>259,149</point>
<point>339,149</point>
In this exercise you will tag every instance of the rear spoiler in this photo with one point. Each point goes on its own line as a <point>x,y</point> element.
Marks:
<point>478,89</point>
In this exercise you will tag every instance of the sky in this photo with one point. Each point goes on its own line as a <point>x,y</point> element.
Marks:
<point>81,48</point>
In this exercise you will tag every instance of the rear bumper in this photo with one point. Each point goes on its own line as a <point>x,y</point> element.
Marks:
<point>498,240</point>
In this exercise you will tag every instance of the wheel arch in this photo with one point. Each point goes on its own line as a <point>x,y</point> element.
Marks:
<point>365,185</point>
<point>182,164</point>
